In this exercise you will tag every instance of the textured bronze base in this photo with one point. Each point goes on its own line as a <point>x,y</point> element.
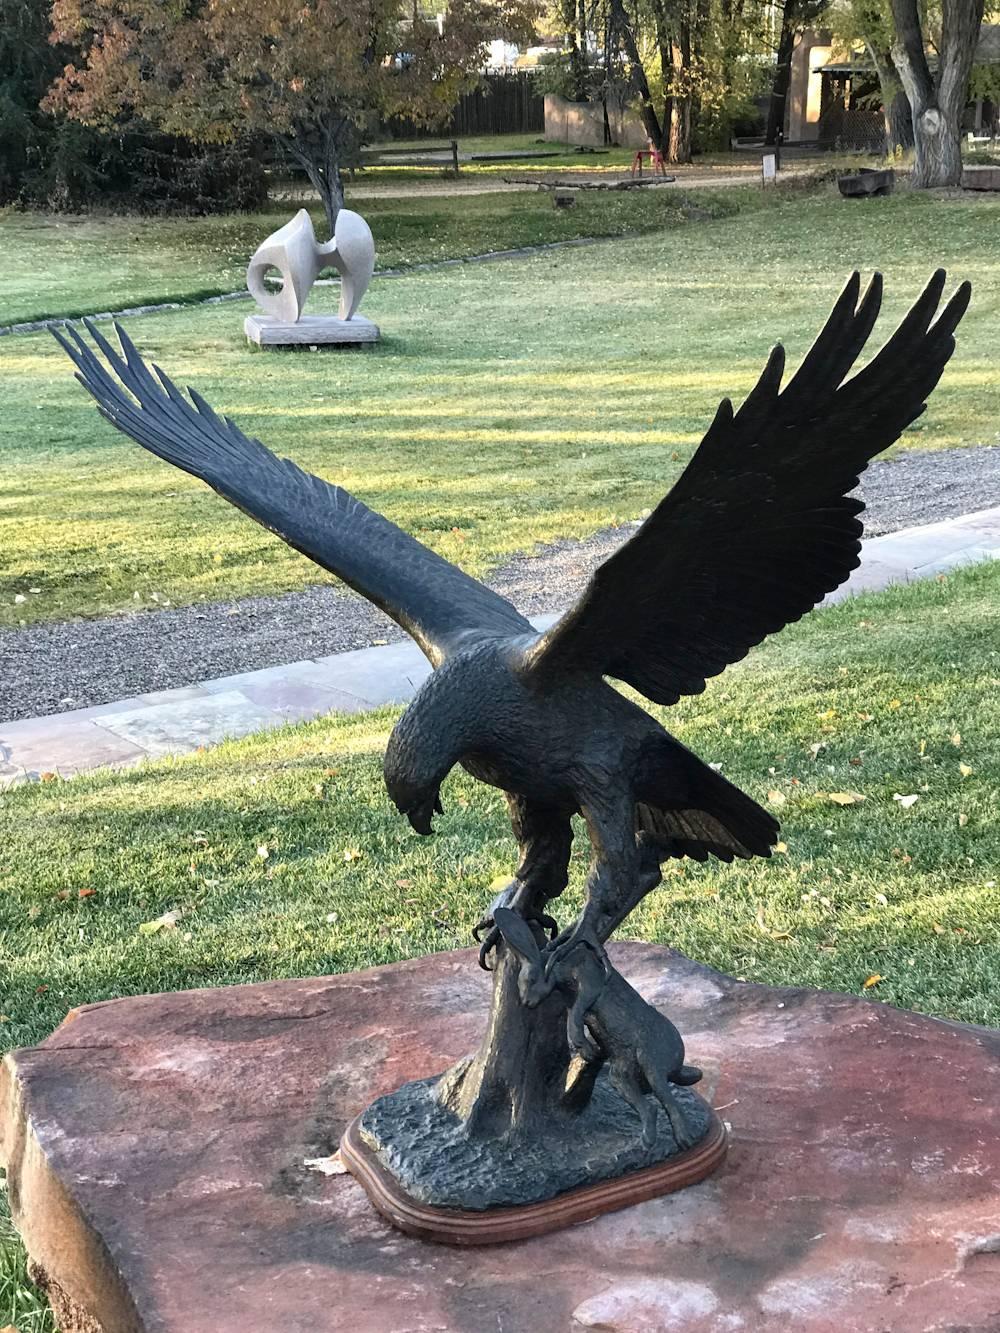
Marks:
<point>454,1226</point>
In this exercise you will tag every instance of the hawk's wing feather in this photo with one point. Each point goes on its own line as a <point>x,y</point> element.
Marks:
<point>432,599</point>
<point>760,526</point>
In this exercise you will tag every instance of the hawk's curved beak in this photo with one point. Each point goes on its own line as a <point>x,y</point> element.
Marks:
<point>421,814</point>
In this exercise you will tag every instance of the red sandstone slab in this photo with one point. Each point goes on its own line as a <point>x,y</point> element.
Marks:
<point>156,1151</point>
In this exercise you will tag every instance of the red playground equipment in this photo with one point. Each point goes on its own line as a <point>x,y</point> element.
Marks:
<point>656,162</point>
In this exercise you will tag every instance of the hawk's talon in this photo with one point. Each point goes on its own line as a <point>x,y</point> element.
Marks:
<point>587,1049</point>
<point>581,932</point>
<point>548,923</point>
<point>487,946</point>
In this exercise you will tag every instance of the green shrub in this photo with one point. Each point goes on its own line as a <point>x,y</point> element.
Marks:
<point>50,162</point>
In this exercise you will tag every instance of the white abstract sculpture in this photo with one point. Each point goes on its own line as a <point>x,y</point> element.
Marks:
<point>294,251</point>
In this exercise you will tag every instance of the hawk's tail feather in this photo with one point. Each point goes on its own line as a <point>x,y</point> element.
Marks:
<point>702,814</point>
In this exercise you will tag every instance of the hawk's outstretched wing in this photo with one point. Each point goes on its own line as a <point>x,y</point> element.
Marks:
<point>432,599</point>
<point>760,526</point>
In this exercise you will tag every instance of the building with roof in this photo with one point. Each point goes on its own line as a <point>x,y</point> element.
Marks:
<point>834,96</point>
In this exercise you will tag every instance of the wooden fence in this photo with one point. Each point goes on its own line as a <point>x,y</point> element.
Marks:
<point>502,104</point>
<point>859,128</point>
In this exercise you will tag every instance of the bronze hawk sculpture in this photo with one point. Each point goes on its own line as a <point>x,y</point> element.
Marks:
<point>759,527</point>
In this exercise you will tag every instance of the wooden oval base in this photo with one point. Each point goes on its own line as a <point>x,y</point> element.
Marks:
<point>455,1226</point>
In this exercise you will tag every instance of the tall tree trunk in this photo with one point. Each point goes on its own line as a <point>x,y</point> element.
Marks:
<point>938,143</point>
<point>608,80</point>
<point>898,122</point>
<point>577,57</point>
<point>732,51</point>
<point>782,74</point>
<point>672,28</point>
<point>698,28</point>
<point>581,35</point>
<point>937,102</point>
<point>679,146</point>
<point>637,75</point>
<point>326,181</point>
<point>895,103</point>
<point>317,153</point>
<point>516,1083</point>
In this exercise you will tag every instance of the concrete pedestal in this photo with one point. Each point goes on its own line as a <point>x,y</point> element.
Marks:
<point>309,331</point>
<point>158,1153</point>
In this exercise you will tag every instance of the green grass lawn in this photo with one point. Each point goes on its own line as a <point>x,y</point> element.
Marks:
<point>508,403</point>
<point>70,265</point>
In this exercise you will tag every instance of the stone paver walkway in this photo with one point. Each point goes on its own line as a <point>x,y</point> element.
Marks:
<point>173,722</point>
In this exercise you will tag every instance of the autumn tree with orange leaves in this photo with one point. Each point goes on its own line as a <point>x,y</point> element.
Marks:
<point>311,74</point>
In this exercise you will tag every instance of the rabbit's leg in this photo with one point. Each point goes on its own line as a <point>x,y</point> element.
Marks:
<point>545,838</point>
<point>580,1041</point>
<point>625,1079</point>
<point>663,1092</point>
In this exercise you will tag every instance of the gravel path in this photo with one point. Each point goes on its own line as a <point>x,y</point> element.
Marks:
<point>52,668</point>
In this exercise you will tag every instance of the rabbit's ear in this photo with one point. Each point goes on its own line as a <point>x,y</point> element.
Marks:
<point>517,933</point>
